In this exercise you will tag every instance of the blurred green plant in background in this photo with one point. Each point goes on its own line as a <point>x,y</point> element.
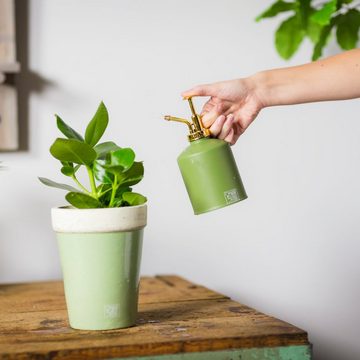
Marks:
<point>316,20</point>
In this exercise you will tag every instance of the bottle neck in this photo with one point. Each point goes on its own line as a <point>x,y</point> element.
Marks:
<point>200,140</point>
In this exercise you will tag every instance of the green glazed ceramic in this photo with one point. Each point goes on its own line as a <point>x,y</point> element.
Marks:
<point>101,266</point>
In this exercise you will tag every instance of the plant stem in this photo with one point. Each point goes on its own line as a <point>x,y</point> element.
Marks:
<point>92,182</point>
<point>104,192</point>
<point>80,185</point>
<point>113,192</point>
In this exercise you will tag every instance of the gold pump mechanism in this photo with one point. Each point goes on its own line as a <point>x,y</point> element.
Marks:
<point>196,127</point>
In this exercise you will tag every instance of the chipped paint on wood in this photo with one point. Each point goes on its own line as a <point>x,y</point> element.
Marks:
<point>301,352</point>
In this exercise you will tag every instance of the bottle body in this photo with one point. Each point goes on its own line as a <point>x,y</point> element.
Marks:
<point>210,175</point>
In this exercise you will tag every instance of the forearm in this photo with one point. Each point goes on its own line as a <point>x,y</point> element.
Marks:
<point>334,78</point>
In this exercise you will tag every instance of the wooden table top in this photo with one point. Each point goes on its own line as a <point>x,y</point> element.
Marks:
<point>175,316</point>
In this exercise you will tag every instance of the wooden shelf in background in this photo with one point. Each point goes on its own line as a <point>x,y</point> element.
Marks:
<point>11,68</point>
<point>8,65</point>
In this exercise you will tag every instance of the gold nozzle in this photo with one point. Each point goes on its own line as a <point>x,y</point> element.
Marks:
<point>196,127</point>
<point>174,118</point>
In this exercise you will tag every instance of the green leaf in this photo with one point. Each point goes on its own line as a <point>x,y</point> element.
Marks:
<point>134,199</point>
<point>73,150</point>
<point>122,189</point>
<point>276,8</point>
<point>289,36</point>
<point>133,176</point>
<point>323,15</point>
<point>67,170</point>
<point>54,184</point>
<point>313,31</point>
<point>104,148</point>
<point>123,157</point>
<point>67,130</point>
<point>120,161</point>
<point>82,201</point>
<point>323,38</point>
<point>97,125</point>
<point>347,32</point>
<point>304,12</point>
<point>101,173</point>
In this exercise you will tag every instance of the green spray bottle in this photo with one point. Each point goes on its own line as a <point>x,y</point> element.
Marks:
<point>208,168</point>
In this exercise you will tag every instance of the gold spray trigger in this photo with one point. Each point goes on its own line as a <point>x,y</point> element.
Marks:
<point>196,127</point>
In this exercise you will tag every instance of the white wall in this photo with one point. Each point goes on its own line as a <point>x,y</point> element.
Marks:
<point>290,250</point>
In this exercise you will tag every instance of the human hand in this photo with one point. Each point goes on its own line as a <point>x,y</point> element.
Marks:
<point>232,107</point>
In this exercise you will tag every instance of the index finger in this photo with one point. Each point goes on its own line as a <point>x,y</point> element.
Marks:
<point>200,90</point>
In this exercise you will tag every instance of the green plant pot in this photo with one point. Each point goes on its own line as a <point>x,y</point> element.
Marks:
<point>100,252</point>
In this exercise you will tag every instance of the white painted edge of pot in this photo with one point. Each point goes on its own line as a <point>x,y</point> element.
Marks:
<point>67,219</point>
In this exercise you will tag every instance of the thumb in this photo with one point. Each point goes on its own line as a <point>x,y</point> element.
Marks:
<point>201,90</point>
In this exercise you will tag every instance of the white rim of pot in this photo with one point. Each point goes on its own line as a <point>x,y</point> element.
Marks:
<point>67,219</point>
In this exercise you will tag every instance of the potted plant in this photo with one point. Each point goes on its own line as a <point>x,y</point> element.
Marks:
<point>100,234</point>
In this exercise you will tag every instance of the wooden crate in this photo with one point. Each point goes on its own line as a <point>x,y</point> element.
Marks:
<point>177,320</point>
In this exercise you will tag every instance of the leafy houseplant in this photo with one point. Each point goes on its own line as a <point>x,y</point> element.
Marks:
<point>113,167</point>
<point>316,20</point>
<point>100,235</point>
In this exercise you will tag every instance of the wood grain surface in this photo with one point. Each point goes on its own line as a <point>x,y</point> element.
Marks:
<point>175,316</point>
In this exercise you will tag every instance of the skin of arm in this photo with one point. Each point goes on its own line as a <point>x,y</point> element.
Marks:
<point>234,104</point>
